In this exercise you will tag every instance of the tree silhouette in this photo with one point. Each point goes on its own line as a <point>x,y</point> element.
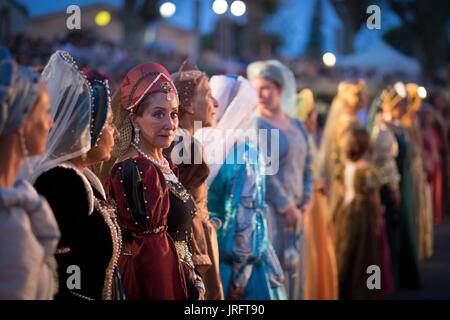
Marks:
<point>352,14</point>
<point>314,46</point>
<point>426,23</point>
<point>136,16</point>
<point>254,39</point>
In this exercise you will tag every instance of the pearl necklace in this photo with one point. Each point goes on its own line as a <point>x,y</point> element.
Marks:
<point>169,176</point>
<point>142,153</point>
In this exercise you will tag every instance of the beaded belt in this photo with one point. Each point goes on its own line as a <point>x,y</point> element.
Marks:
<point>126,247</point>
<point>150,231</point>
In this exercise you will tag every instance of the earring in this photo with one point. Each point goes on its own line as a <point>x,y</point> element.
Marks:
<point>136,135</point>
<point>25,153</point>
<point>23,145</point>
<point>83,156</point>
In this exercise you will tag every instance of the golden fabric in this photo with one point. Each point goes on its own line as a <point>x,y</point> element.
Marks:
<point>345,125</point>
<point>421,192</point>
<point>357,244</point>
<point>414,104</point>
<point>305,104</point>
<point>350,92</point>
<point>321,277</point>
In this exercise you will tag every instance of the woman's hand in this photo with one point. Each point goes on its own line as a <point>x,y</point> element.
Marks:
<point>201,293</point>
<point>200,288</point>
<point>235,293</point>
<point>291,215</point>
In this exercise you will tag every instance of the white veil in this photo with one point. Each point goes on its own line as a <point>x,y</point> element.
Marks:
<point>237,101</point>
<point>289,95</point>
<point>70,95</point>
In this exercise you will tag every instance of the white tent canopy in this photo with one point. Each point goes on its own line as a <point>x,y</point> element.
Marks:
<point>382,58</point>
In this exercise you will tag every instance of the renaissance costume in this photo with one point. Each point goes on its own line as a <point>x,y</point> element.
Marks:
<point>340,120</point>
<point>236,195</point>
<point>155,210</point>
<point>29,233</point>
<point>321,278</point>
<point>434,149</point>
<point>401,222</point>
<point>292,184</point>
<point>90,236</point>
<point>187,153</point>
<point>422,191</point>
<point>356,221</point>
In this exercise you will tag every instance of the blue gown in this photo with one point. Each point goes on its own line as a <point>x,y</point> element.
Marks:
<point>236,198</point>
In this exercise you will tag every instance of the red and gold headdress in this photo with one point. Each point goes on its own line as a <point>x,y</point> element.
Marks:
<point>144,80</point>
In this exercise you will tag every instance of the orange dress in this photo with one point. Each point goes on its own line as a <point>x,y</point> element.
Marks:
<point>321,279</point>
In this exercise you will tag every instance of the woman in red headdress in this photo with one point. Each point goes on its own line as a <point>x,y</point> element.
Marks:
<point>155,211</point>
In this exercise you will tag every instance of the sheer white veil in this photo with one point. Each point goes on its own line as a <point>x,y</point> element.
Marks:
<point>289,95</point>
<point>70,108</point>
<point>237,101</point>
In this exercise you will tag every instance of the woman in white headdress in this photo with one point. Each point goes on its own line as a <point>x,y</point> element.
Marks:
<point>28,230</point>
<point>290,188</point>
<point>249,266</point>
<point>83,135</point>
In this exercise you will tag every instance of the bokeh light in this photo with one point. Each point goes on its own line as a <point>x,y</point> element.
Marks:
<point>422,92</point>
<point>220,6</point>
<point>102,18</point>
<point>167,9</point>
<point>329,59</point>
<point>238,8</point>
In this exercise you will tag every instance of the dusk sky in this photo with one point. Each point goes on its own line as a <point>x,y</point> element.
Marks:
<point>292,21</point>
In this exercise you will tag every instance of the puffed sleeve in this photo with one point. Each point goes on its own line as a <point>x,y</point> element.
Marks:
<point>193,175</point>
<point>28,238</point>
<point>141,194</point>
<point>69,199</point>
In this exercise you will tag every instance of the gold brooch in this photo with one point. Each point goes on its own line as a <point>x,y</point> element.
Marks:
<point>165,86</point>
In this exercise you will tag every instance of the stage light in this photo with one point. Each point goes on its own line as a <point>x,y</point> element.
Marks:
<point>102,18</point>
<point>167,9</point>
<point>238,8</point>
<point>329,59</point>
<point>220,6</point>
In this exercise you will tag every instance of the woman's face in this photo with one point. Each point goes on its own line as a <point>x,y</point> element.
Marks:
<point>204,104</point>
<point>399,110</point>
<point>105,141</point>
<point>269,95</point>
<point>38,123</point>
<point>157,120</point>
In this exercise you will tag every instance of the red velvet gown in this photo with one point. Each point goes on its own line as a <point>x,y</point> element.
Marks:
<point>149,264</point>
